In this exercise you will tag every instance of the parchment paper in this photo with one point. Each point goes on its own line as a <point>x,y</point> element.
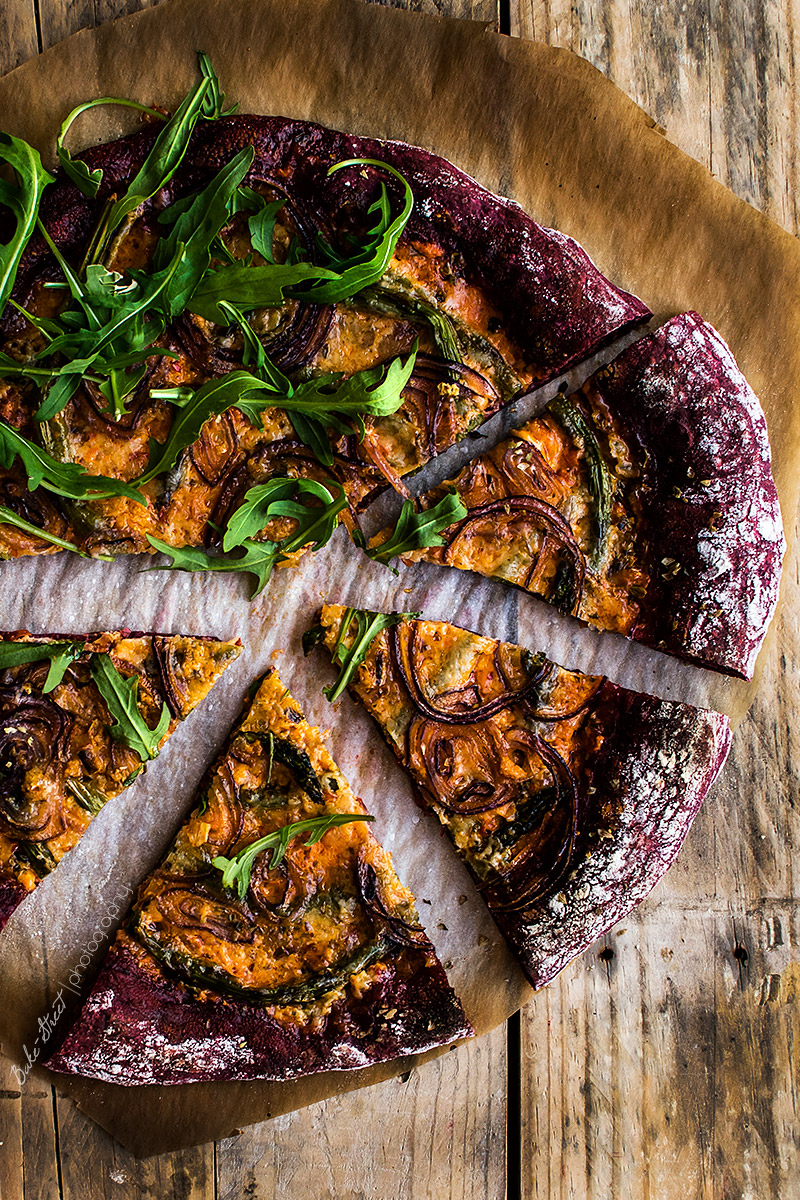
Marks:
<point>530,121</point>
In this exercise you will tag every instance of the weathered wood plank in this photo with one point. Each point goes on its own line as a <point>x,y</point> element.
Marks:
<point>94,1165</point>
<point>669,1070</point>
<point>657,53</point>
<point>440,1135</point>
<point>28,1152</point>
<point>662,1071</point>
<point>18,37</point>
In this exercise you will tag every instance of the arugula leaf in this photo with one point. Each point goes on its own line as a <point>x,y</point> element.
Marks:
<point>89,181</point>
<point>164,158</point>
<point>120,695</point>
<point>316,524</point>
<point>258,559</point>
<point>215,97</point>
<point>63,479</point>
<point>61,654</point>
<point>272,499</point>
<point>8,517</point>
<point>601,480</point>
<point>326,399</point>
<point>248,287</point>
<point>368,626</point>
<point>415,531</point>
<point>237,870</point>
<point>196,227</point>
<point>375,392</point>
<point>23,199</point>
<point>251,287</point>
<point>211,400</point>
<point>262,227</point>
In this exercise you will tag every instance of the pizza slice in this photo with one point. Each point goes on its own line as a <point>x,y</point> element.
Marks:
<point>80,716</point>
<point>566,796</point>
<point>275,939</point>
<point>643,504</point>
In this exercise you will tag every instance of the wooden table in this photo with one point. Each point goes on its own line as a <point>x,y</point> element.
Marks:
<point>663,1064</point>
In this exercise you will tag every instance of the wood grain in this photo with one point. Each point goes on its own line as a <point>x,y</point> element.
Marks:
<point>667,1067</point>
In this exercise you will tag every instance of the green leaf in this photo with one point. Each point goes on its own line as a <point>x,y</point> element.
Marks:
<point>61,654</point>
<point>251,287</point>
<point>211,400</point>
<point>415,531</point>
<point>601,481</point>
<point>89,181</point>
<point>277,498</point>
<point>248,287</point>
<point>326,399</point>
<point>367,627</point>
<point>120,695</point>
<point>8,517</point>
<point>63,479</point>
<point>196,227</point>
<point>23,198</point>
<point>215,97</point>
<point>258,559</point>
<point>262,228</point>
<point>236,871</point>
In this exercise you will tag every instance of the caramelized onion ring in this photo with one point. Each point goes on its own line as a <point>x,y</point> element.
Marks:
<point>403,643</point>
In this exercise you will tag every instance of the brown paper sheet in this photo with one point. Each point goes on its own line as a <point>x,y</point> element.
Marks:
<point>526,120</point>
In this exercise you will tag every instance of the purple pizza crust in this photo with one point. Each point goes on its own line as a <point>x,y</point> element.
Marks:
<point>12,893</point>
<point>139,1027</point>
<point>557,306</point>
<point>711,507</point>
<point>654,769</point>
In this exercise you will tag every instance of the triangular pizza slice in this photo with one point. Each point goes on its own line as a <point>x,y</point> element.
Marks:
<point>566,796</point>
<point>80,716</point>
<point>643,504</point>
<point>274,940</point>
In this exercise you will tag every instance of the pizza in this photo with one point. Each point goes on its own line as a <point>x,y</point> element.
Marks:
<point>81,715</point>
<point>566,796</point>
<point>291,302</point>
<point>274,940</point>
<point>643,503</point>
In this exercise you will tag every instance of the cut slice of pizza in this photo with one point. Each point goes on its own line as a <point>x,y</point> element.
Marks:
<point>80,716</point>
<point>566,796</point>
<point>275,940</point>
<point>643,504</point>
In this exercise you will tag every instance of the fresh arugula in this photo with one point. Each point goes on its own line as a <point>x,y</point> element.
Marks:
<point>236,871</point>
<point>601,481</point>
<point>415,531</point>
<point>9,517</point>
<point>326,400</point>
<point>60,654</point>
<point>63,479</point>
<point>195,227</point>
<point>316,524</point>
<point>85,180</point>
<point>258,559</point>
<point>169,148</point>
<point>367,627</point>
<point>23,199</point>
<point>120,695</point>
<point>276,498</point>
<point>247,287</point>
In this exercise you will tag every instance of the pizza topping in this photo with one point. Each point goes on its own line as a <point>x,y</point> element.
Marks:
<point>22,198</point>
<point>120,694</point>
